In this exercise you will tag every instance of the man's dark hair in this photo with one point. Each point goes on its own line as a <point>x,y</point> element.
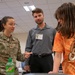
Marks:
<point>37,10</point>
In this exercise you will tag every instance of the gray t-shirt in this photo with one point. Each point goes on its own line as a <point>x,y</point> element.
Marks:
<point>40,41</point>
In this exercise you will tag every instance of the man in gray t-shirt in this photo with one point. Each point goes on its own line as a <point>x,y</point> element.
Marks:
<point>39,42</point>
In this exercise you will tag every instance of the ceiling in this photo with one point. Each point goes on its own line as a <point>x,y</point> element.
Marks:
<point>24,20</point>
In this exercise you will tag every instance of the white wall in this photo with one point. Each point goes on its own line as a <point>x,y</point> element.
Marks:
<point>22,37</point>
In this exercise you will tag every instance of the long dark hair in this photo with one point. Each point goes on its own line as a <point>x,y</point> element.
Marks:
<point>58,27</point>
<point>1,26</point>
<point>4,21</point>
<point>66,12</point>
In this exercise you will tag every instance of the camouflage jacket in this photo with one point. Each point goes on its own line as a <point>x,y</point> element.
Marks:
<point>9,47</point>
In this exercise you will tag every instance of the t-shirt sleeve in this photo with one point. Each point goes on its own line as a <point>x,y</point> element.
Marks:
<point>58,43</point>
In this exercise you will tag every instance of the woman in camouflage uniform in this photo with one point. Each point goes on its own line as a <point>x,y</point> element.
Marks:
<point>9,45</point>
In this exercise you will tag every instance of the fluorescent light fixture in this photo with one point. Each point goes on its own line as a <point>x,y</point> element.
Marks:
<point>32,7</point>
<point>26,8</point>
<point>29,8</point>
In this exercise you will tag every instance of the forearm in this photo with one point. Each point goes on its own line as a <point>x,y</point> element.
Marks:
<point>57,60</point>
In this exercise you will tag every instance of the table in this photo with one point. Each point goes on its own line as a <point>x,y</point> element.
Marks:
<point>42,74</point>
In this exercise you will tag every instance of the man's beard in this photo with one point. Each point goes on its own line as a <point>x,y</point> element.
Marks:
<point>39,22</point>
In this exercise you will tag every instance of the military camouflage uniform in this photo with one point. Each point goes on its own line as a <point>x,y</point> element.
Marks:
<point>9,47</point>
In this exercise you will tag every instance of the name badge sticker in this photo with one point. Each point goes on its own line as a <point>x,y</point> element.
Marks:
<point>39,36</point>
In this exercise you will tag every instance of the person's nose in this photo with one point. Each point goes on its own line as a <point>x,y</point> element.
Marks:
<point>13,26</point>
<point>38,17</point>
<point>59,20</point>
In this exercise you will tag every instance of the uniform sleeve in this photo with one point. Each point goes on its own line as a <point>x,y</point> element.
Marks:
<point>20,56</point>
<point>58,43</point>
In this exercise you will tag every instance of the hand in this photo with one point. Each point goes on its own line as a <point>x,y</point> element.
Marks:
<point>27,68</point>
<point>51,72</point>
<point>27,54</point>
